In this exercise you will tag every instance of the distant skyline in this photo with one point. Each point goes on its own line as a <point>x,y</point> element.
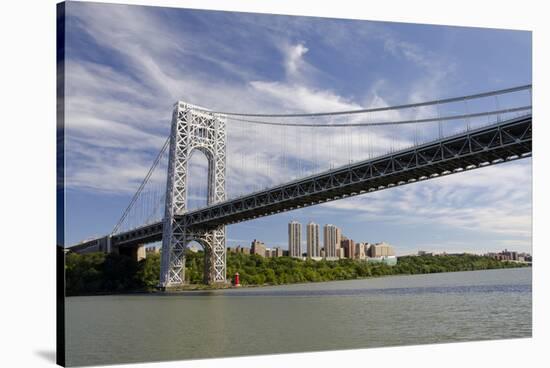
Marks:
<point>127,65</point>
<point>357,240</point>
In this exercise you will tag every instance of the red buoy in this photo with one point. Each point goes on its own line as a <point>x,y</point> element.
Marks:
<point>236,282</point>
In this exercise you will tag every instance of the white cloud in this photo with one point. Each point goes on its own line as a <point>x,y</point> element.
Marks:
<point>494,200</point>
<point>118,118</point>
<point>294,59</point>
<point>301,98</point>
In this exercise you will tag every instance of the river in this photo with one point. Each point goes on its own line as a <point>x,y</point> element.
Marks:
<point>388,311</point>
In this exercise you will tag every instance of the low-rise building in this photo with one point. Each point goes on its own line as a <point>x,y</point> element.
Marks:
<point>258,248</point>
<point>422,253</point>
<point>276,252</point>
<point>389,260</point>
<point>382,249</point>
<point>152,250</point>
<point>360,250</point>
<point>193,248</point>
<point>242,250</point>
<point>507,255</point>
<point>315,258</point>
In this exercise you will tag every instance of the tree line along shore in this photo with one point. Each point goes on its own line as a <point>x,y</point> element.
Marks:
<point>97,273</point>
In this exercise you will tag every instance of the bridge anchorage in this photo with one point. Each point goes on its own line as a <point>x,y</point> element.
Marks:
<point>193,128</point>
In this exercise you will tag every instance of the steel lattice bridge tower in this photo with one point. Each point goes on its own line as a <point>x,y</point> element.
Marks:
<point>193,128</point>
<point>505,135</point>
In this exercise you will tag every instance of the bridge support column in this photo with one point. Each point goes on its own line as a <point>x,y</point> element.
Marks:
<point>136,252</point>
<point>213,243</point>
<point>215,259</point>
<point>193,128</point>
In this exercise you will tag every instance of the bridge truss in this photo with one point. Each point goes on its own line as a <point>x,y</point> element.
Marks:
<point>505,135</point>
<point>499,143</point>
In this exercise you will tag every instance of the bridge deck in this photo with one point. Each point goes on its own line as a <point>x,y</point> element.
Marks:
<point>497,143</point>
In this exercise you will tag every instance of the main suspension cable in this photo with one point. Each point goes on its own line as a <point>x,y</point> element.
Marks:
<point>399,122</point>
<point>378,109</point>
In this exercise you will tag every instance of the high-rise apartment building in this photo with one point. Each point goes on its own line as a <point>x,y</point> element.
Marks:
<point>331,240</point>
<point>295,239</point>
<point>339,237</point>
<point>313,249</point>
<point>349,248</point>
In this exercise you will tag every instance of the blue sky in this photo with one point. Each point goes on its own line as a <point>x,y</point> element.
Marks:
<point>127,65</point>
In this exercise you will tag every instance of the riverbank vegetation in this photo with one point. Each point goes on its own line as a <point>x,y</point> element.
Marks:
<point>111,273</point>
<point>94,273</point>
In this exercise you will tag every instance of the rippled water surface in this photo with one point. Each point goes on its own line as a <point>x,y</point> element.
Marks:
<point>400,310</point>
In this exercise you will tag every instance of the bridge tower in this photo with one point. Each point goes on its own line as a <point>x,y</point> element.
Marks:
<point>193,128</point>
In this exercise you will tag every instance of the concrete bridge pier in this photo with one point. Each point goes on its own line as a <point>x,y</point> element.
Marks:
<point>136,252</point>
<point>106,245</point>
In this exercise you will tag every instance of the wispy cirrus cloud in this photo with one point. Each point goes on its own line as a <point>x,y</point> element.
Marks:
<point>127,66</point>
<point>494,200</point>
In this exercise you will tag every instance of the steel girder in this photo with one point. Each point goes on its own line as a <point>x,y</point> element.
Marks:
<point>193,129</point>
<point>494,144</point>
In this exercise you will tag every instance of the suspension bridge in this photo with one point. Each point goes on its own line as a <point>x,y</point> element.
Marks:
<point>263,164</point>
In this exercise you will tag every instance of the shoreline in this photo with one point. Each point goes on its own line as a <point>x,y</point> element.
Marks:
<point>194,288</point>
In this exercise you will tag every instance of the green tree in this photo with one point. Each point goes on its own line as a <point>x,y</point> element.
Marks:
<point>149,271</point>
<point>97,272</point>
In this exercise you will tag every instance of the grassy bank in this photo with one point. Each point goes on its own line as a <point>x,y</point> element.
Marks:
<point>98,273</point>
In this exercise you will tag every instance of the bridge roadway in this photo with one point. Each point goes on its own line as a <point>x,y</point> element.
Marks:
<point>489,145</point>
